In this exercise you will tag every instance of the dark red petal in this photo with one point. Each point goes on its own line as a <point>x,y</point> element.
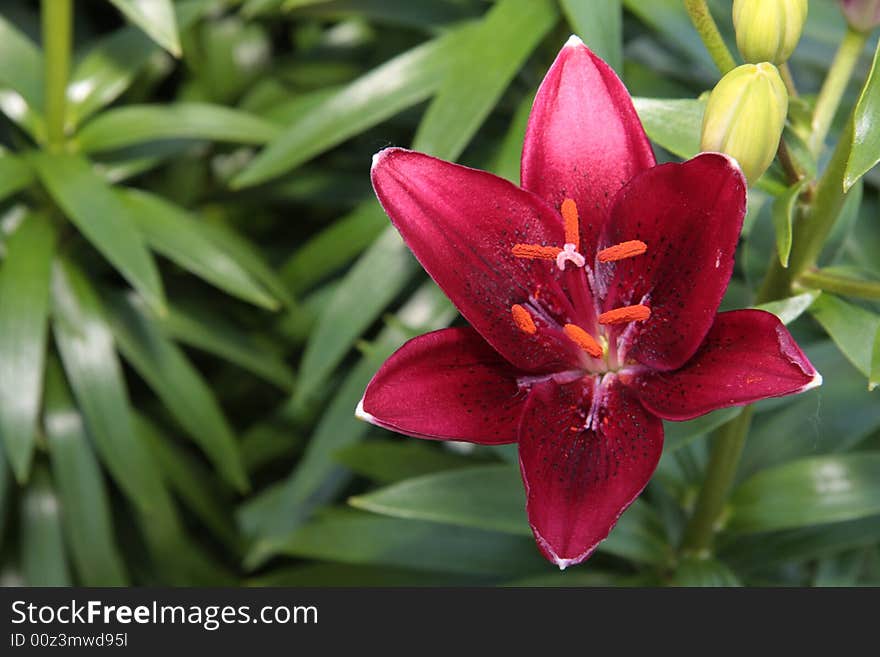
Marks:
<point>584,140</point>
<point>578,481</point>
<point>461,224</point>
<point>446,385</point>
<point>748,355</point>
<point>690,216</point>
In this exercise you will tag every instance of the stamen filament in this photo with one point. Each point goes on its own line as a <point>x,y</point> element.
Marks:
<point>624,315</point>
<point>622,251</point>
<point>570,218</point>
<point>523,319</point>
<point>535,251</point>
<point>583,339</point>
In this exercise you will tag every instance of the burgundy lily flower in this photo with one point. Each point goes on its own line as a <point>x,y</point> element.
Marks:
<point>592,292</point>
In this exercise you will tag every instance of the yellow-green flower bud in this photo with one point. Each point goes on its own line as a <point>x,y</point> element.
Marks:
<point>745,117</point>
<point>768,30</point>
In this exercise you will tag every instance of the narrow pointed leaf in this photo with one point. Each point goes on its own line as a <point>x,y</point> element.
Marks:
<point>156,18</point>
<point>480,72</point>
<point>137,124</point>
<point>704,572</point>
<point>21,66</point>
<point>672,123</point>
<point>81,489</point>
<point>15,174</point>
<point>401,82</point>
<point>43,557</point>
<point>853,329</point>
<point>388,462</point>
<point>179,385</point>
<point>86,346</point>
<point>865,151</point>
<point>24,305</point>
<point>93,206</point>
<point>790,308</point>
<point>809,492</point>
<point>600,26</point>
<point>784,208</point>
<point>187,241</point>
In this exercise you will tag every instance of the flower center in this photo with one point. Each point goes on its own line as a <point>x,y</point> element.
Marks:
<point>523,318</point>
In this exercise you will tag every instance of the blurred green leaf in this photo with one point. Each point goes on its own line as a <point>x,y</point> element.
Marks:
<point>853,329</point>
<point>841,570</point>
<point>21,69</point>
<point>361,538</point>
<point>479,73</point>
<point>135,124</point>
<point>5,490</point>
<point>383,92</point>
<point>15,174</point>
<point>679,434</point>
<point>698,572</point>
<point>24,307</point>
<point>83,495</point>
<point>103,218</point>
<point>784,208</point>
<point>85,344</point>
<point>790,308</point>
<point>42,543</point>
<point>431,16</point>
<point>156,18</point>
<point>507,159</point>
<point>340,574</point>
<point>181,387</point>
<point>191,243</point>
<point>354,306</point>
<point>214,335</point>
<point>388,462</point>
<point>865,152</point>
<point>491,497</point>
<point>600,25</point>
<point>673,124</point>
<point>808,492</point>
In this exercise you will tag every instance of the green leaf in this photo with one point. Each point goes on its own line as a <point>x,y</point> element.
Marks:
<point>360,538</point>
<point>213,334</point>
<point>179,385</point>
<point>784,208</point>
<point>106,71</point>
<point>874,376</point>
<point>790,308</point>
<point>491,497</point>
<point>865,151</point>
<point>156,18</point>
<point>808,492</point>
<point>600,25</point>
<point>15,174</point>
<point>334,247</point>
<point>21,69</point>
<point>673,124</point>
<point>91,204</point>
<point>83,495</point>
<point>197,488</point>
<point>479,73</point>
<point>192,244</point>
<point>136,124</point>
<point>87,352</point>
<point>853,329</point>
<point>506,162</point>
<point>24,307</point>
<point>679,434</point>
<point>840,570</point>
<point>357,302</point>
<point>402,82</point>
<point>42,543</point>
<point>388,462</point>
<point>700,572</point>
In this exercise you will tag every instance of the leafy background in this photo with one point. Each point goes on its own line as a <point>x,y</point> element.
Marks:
<point>197,285</point>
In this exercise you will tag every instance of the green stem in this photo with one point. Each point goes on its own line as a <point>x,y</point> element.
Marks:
<point>788,80</point>
<point>57,19</point>
<point>838,284</point>
<point>702,19</point>
<point>720,474</point>
<point>835,85</point>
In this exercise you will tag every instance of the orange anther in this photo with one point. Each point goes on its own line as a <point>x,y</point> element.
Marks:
<point>583,340</point>
<point>570,217</point>
<point>623,250</point>
<point>535,251</point>
<point>523,319</point>
<point>625,315</point>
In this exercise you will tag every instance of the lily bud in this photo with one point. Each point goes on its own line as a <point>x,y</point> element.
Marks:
<point>768,30</point>
<point>862,15</point>
<point>745,117</point>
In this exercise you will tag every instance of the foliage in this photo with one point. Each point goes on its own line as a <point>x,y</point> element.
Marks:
<point>196,284</point>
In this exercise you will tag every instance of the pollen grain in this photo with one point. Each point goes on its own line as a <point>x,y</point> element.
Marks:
<point>622,251</point>
<point>638,313</point>
<point>535,251</point>
<point>583,340</point>
<point>570,218</point>
<point>523,319</point>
